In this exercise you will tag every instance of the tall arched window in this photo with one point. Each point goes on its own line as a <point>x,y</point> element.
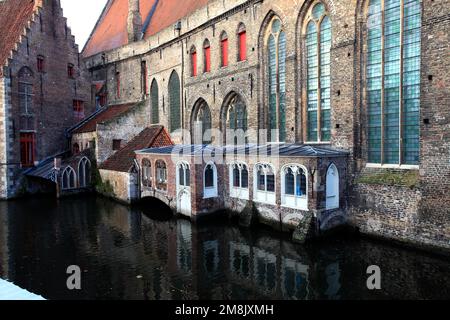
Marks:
<point>276,75</point>
<point>193,53</point>
<point>154,93</point>
<point>393,81</point>
<point>175,102</point>
<point>207,56</point>
<point>318,48</point>
<point>235,120</point>
<point>201,123</point>
<point>184,174</point>
<point>146,173</point>
<point>242,42</point>
<point>84,172</point>
<point>224,49</point>
<point>239,180</point>
<point>68,179</point>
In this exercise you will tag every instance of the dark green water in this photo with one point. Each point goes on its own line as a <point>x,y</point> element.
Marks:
<point>125,254</point>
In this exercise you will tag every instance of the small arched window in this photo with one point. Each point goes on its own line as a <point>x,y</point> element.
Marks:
<point>224,49</point>
<point>68,179</point>
<point>84,172</point>
<point>242,42</point>
<point>265,183</point>
<point>146,173</point>
<point>210,181</point>
<point>193,61</point>
<point>239,180</point>
<point>154,95</point>
<point>294,187</point>
<point>184,175</point>
<point>161,175</point>
<point>207,56</point>
<point>175,102</point>
<point>75,149</point>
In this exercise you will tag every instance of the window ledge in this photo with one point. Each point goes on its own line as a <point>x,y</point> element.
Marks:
<point>294,207</point>
<point>393,166</point>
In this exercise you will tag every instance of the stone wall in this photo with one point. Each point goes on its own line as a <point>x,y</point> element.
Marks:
<point>119,181</point>
<point>53,90</point>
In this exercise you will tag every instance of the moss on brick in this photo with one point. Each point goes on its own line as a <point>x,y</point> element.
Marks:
<point>392,178</point>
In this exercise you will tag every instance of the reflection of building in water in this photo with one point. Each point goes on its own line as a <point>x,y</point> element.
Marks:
<point>184,246</point>
<point>265,270</point>
<point>211,256</point>
<point>240,260</point>
<point>294,275</point>
<point>333,275</point>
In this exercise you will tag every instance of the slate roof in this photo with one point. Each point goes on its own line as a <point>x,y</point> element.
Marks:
<point>14,18</point>
<point>110,31</point>
<point>123,159</point>
<point>283,150</point>
<point>105,114</point>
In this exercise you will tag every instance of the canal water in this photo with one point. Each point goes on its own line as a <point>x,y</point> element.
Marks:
<point>135,253</point>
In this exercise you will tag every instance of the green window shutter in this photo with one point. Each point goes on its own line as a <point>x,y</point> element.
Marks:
<point>155,102</point>
<point>174,102</point>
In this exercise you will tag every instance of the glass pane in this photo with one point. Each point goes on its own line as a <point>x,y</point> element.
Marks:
<point>272,83</point>
<point>209,177</point>
<point>155,102</point>
<point>301,183</point>
<point>325,78</point>
<point>312,80</point>
<point>282,77</point>
<point>175,102</point>
<point>261,180</point>
<point>289,182</point>
<point>270,182</point>
<point>236,177</point>
<point>244,178</point>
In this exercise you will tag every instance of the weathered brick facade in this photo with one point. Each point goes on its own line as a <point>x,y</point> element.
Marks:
<point>417,213</point>
<point>47,37</point>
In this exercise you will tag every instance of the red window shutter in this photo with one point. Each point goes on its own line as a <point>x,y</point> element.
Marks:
<point>243,46</point>
<point>194,64</point>
<point>78,109</point>
<point>224,52</point>
<point>207,59</point>
<point>27,149</point>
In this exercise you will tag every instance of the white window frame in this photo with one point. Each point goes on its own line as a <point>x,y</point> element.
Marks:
<point>210,192</point>
<point>82,165</point>
<point>147,173</point>
<point>239,192</point>
<point>185,166</point>
<point>66,175</point>
<point>268,197</point>
<point>294,201</point>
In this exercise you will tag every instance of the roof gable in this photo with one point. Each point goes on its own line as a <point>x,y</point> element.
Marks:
<point>14,18</point>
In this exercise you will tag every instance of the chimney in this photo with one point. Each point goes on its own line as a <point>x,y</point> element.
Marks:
<point>134,21</point>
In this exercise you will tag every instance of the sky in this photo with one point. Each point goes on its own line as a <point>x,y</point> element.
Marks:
<point>81,17</point>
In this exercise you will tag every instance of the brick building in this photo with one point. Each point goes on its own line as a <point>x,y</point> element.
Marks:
<point>367,78</point>
<point>44,88</point>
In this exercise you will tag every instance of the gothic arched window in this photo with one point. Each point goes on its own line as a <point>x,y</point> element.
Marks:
<point>175,102</point>
<point>393,81</point>
<point>154,93</point>
<point>235,122</point>
<point>276,75</point>
<point>318,46</point>
<point>201,126</point>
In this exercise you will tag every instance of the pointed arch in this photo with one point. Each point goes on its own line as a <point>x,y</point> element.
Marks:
<point>234,119</point>
<point>174,102</point>
<point>68,179</point>
<point>206,56</point>
<point>201,123</point>
<point>84,172</point>
<point>154,96</point>
<point>332,187</point>
<point>224,49</point>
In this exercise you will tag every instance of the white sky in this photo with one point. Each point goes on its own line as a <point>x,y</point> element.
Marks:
<point>81,17</point>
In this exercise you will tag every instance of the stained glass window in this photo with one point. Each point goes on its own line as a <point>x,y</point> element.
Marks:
<point>318,51</point>
<point>276,50</point>
<point>175,102</point>
<point>393,81</point>
<point>155,102</point>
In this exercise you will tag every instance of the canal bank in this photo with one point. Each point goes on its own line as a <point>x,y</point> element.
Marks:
<point>126,253</point>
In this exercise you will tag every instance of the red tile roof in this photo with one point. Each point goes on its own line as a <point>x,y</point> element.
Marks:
<point>122,160</point>
<point>14,17</point>
<point>111,29</point>
<point>90,125</point>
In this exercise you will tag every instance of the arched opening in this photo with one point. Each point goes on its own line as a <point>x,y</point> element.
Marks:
<point>201,123</point>
<point>84,172</point>
<point>68,179</point>
<point>239,180</point>
<point>294,186</point>
<point>75,149</point>
<point>234,120</point>
<point>155,209</point>
<point>184,188</point>
<point>161,175</point>
<point>264,183</point>
<point>224,49</point>
<point>332,187</point>
<point>242,42</point>
<point>275,76</point>
<point>206,56</point>
<point>146,173</point>
<point>154,95</point>
<point>194,64</point>
<point>174,102</point>
<point>210,181</point>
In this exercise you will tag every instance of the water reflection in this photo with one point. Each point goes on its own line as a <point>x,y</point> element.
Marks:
<point>125,254</point>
